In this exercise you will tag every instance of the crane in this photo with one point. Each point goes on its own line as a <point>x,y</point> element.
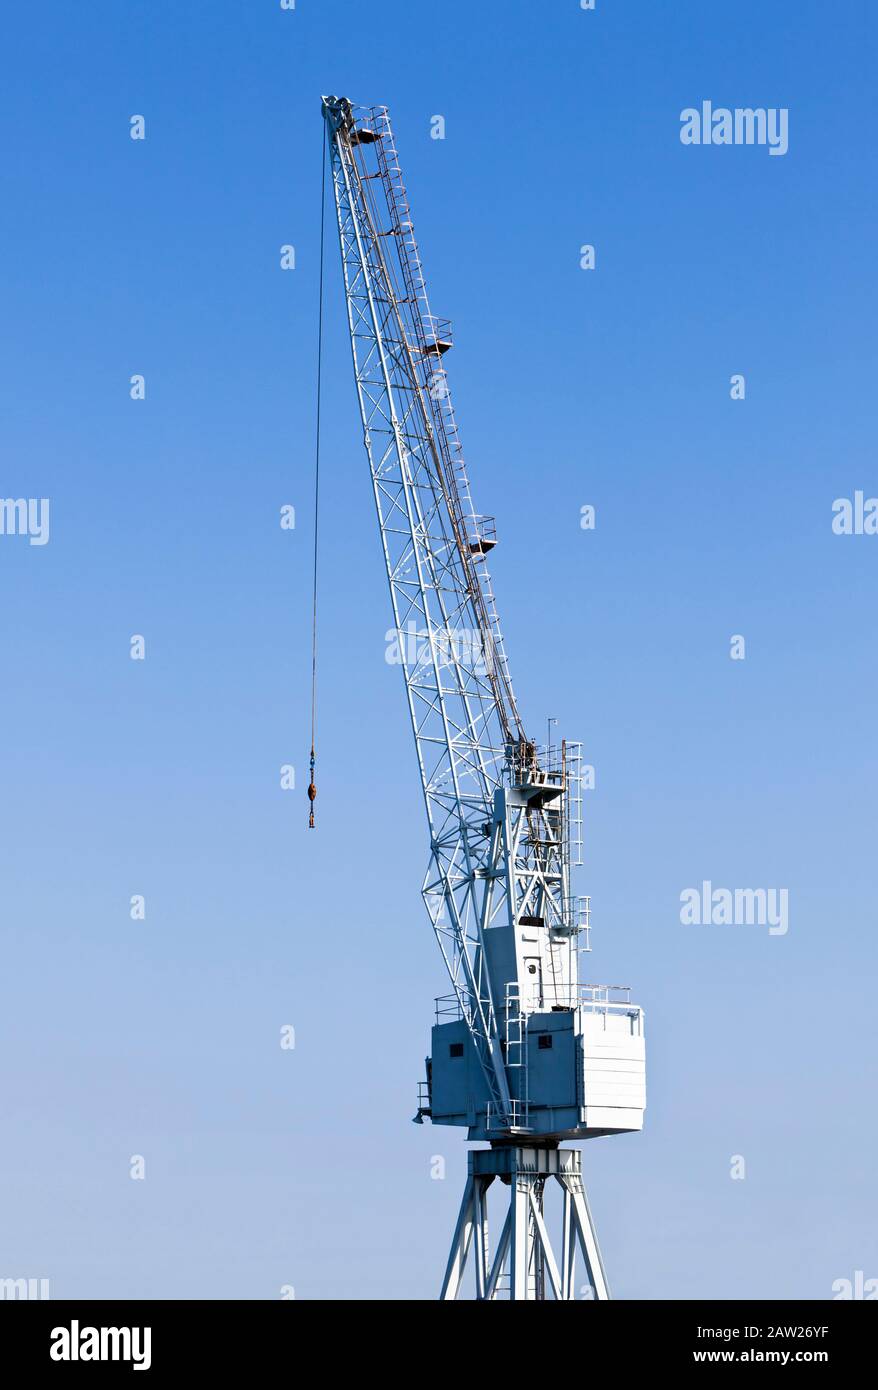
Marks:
<point>523,1056</point>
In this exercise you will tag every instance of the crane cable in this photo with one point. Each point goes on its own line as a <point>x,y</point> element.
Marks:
<point>312,789</point>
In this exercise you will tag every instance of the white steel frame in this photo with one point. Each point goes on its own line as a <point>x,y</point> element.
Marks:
<point>524,1266</point>
<point>497,806</point>
<point>460,697</point>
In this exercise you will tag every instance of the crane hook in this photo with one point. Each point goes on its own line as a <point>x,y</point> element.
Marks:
<point>312,789</point>
<point>312,792</point>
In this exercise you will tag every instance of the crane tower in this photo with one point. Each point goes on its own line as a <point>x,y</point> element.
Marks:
<point>523,1056</point>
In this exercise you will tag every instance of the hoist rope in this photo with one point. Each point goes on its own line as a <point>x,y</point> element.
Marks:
<point>312,789</point>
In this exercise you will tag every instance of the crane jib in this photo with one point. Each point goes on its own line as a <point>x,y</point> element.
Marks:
<point>523,1053</point>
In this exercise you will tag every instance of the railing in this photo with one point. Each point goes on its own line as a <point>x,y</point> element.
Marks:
<point>434,338</point>
<point>535,763</point>
<point>605,994</point>
<point>595,998</point>
<point>481,533</point>
<point>448,1008</point>
<point>561,996</point>
<point>577,918</point>
<point>516,1123</point>
<point>437,332</point>
<point>573,769</point>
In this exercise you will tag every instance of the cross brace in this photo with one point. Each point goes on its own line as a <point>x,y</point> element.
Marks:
<point>524,1265</point>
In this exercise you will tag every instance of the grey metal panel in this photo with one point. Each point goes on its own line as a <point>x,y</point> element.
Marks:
<point>459,1091</point>
<point>552,1071</point>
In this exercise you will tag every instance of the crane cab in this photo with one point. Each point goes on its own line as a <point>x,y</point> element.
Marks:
<point>574,1073</point>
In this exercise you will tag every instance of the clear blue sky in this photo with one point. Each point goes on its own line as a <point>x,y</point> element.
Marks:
<point>161,1038</point>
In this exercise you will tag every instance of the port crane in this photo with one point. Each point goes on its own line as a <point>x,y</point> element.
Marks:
<point>523,1056</point>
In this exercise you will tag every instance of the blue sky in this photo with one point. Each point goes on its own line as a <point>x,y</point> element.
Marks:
<point>160,1038</point>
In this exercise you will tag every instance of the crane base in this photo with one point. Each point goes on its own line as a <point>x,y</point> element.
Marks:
<point>524,1265</point>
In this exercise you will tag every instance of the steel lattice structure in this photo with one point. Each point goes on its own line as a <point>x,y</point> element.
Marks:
<point>497,888</point>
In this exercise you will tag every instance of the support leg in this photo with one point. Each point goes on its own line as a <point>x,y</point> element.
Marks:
<point>480,1234</point>
<point>547,1261</point>
<point>568,1249</point>
<point>520,1235</point>
<point>500,1257</point>
<point>587,1236</point>
<point>463,1234</point>
<point>524,1249</point>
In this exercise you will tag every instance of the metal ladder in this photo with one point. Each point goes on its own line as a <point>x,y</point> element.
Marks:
<point>516,1053</point>
<point>448,438</point>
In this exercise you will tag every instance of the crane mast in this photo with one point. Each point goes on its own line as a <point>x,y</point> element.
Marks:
<point>501,810</point>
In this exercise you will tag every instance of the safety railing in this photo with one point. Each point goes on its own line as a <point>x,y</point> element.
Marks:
<point>516,1123</point>
<point>448,1008</point>
<point>591,997</point>
<point>481,533</point>
<point>577,918</point>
